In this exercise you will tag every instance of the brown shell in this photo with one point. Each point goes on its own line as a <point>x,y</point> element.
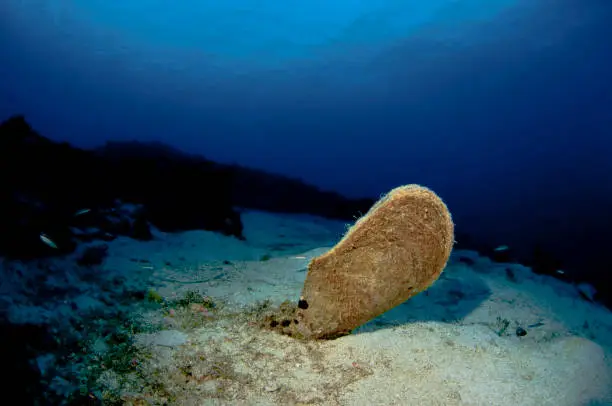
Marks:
<point>398,249</point>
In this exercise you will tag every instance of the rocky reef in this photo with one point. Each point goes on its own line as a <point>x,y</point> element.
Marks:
<point>53,195</point>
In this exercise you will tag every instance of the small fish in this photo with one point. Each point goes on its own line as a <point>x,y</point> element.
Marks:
<point>501,248</point>
<point>538,324</point>
<point>81,212</point>
<point>47,241</point>
<point>560,271</point>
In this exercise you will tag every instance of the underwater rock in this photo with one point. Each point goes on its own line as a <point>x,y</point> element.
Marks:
<point>140,229</point>
<point>544,262</point>
<point>19,344</point>
<point>93,255</point>
<point>61,189</point>
<point>587,291</point>
<point>468,257</point>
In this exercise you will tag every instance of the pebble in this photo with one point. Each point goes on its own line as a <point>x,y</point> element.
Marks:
<point>271,387</point>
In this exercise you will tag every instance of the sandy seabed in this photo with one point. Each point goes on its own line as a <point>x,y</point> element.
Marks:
<point>459,343</point>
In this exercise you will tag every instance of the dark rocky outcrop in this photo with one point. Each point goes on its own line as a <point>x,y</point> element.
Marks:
<point>248,188</point>
<point>71,195</point>
<point>54,191</point>
<point>19,345</point>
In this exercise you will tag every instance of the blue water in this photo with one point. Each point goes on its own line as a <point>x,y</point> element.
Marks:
<point>503,107</point>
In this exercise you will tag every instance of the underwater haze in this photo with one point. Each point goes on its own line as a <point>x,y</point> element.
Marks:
<point>503,107</point>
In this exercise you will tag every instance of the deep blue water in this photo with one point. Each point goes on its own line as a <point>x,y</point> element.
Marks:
<point>503,107</point>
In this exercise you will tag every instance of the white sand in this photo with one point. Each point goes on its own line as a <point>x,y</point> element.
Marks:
<point>456,344</point>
